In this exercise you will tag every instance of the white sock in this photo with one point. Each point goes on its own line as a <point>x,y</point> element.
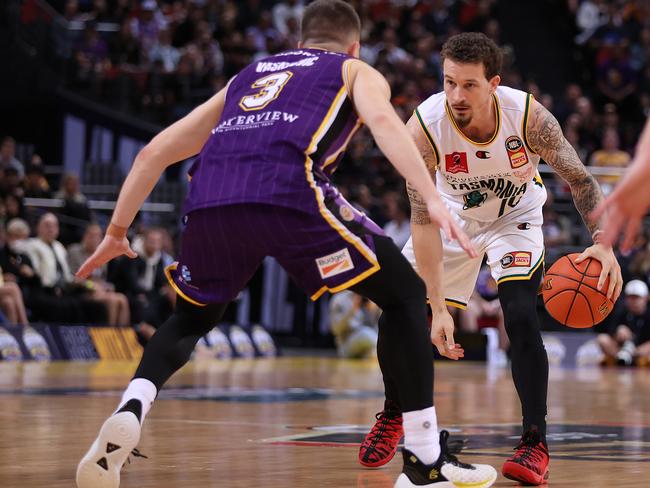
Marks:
<point>144,391</point>
<point>421,435</point>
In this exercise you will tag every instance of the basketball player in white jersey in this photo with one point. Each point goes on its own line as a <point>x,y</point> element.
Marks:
<point>482,143</point>
<point>626,206</point>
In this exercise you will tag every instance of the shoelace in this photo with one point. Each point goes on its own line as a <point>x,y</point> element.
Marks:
<point>450,458</point>
<point>531,454</point>
<point>387,424</point>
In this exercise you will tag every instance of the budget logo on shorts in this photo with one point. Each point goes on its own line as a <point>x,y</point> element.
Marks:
<point>516,152</point>
<point>516,259</point>
<point>334,264</point>
<point>456,162</point>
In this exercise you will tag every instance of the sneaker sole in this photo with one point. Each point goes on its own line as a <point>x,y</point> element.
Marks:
<point>403,481</point>
<point>101,466</point>
<point>523,475</point>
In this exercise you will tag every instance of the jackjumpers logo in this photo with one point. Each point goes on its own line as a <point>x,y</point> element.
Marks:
<point>474,199</point>
<point>334,264</point>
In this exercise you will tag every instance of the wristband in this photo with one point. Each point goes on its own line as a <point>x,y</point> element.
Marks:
<point>116,231</point>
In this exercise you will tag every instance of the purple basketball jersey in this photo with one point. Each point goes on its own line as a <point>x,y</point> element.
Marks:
<point>286,122</point>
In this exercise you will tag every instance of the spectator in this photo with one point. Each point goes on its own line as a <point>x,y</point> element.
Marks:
<point>124,48</point>
<point>11,295</point>
<point>16,266</point>
<point>8,156</point>
<point>556,227</point>
<point>398,227</point>
<point>353,321</point>
<point>629,338</point>
<point>164,52</point>
<point>285,12</point>
<point>91,55</point>
<point>60,298</point>
<point>11,183</point>
<point>262,31</point>
<point>14,208</point>
<point>610,155</point>
<point>35,185</point>
<point>143,281</point>
<point>148,24</point>
<point>75,213</point>
<point>117,305</point>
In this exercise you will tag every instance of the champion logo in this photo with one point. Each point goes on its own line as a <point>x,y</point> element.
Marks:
<point>483,154</point>
<point>334,264</point>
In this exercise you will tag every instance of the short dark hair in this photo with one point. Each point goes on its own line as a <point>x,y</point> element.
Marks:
<point>325,21</point>
<point>474,47</point>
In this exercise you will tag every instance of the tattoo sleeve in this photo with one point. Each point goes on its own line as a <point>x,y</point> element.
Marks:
<point>545,137</point>
<point>419,212</point>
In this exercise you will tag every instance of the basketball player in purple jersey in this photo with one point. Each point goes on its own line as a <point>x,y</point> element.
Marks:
<point>260,186</point>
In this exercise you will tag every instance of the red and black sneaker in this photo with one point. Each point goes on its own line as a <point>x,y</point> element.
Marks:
<point>529,465</point>
<point>380,444</point>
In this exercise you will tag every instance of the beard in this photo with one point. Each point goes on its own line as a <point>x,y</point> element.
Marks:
<point>463,121</point>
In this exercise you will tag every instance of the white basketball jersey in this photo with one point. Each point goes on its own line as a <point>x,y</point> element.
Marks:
<point>485,181</point>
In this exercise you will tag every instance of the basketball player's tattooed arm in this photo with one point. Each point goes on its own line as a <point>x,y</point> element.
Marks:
<point>419,212</point>
<point>545,137</point>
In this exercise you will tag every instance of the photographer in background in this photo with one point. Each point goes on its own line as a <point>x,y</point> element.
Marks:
<point>353,321</point>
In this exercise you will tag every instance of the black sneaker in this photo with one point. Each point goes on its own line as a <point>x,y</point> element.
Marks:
<point>446,472</point>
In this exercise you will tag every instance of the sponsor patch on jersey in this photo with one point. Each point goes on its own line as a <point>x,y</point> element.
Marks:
<point>483,154</point>
<point>346,213</point>
<point>456,162</point>
<point>516,152</point>
<point>524,226</point>
<point>516,259</point>
<point>334,264</point>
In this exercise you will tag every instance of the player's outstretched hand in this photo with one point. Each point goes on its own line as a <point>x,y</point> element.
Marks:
<point>110,247</point>
<point>611,268</point>
<point>441,216</point>
<point>623,211</point>
<point>442,335</point>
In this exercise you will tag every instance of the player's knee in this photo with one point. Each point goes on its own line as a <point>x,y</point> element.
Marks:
<point>196,316</point>
<point>521,322</point>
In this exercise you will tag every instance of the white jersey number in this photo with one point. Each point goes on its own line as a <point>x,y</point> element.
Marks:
<point>270,88</point>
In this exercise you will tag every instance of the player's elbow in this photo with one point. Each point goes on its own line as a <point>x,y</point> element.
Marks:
<point>145,154</point>
<point>381,122</point>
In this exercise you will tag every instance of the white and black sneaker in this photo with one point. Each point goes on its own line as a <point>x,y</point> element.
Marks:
<point>446,472</point>
<point>117,439</point>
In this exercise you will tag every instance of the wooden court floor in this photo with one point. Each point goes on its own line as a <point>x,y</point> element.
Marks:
<point>296,422</point>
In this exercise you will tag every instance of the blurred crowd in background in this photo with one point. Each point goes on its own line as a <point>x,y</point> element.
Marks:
<point>157,59</point>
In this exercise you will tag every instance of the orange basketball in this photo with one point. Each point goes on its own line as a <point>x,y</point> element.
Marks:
<point>571,295</point>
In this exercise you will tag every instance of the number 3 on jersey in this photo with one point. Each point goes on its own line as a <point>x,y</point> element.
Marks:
<point>271,86</point>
